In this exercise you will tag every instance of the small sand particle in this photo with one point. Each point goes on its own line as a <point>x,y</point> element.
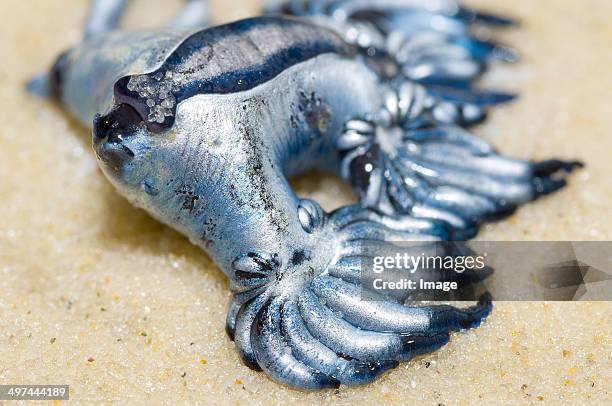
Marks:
<point>540,398</point>
<point>515,347</point>
<point>567,382</point>
<point>203,361</point>
<point>566,353</point>
<point>53,340</point>
<point>184,374</point>
<point>90,359</point>
<point>238,382</point>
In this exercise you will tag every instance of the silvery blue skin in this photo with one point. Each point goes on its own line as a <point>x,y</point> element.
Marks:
<point>202,127</point>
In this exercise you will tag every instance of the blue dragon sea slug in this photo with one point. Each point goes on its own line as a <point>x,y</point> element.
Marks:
<point>202,127</point>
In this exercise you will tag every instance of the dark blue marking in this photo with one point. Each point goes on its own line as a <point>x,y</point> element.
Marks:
<point>470,96</point>
<point>57,75</point>
<point>198,51</point>
<point>120,122</point>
